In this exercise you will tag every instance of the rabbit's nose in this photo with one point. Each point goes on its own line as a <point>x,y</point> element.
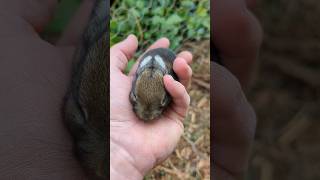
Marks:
<point>149,115</point>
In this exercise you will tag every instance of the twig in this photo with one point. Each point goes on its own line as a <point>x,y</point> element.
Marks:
<point>203,101</point>
<point>266,168</point>
<point>290,68</point>
<point>297,125</point>
<point>205,77</point>
<point>201,83</point>
<point>307,50</point>
<point>175,171</point>
<point>139,27</point>
<point>193,146</point>
<point>170,171</point>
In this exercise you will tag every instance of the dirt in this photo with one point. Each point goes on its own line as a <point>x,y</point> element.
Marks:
<point>286,95</point>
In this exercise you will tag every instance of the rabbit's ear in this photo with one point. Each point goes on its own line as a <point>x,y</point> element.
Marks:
<point>133,97</point>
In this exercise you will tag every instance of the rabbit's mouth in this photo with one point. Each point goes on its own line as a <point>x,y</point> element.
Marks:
<point>147,116</point>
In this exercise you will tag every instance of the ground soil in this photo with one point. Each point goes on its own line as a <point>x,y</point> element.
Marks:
<point>286,95</point>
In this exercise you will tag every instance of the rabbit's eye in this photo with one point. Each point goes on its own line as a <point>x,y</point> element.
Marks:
<point>163,101</point>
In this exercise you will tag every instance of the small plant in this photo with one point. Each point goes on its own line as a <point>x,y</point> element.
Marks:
<point>63,14</point>
<point>179,21</point>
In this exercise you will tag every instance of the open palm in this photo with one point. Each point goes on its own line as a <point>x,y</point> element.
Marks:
<point>134,142</point>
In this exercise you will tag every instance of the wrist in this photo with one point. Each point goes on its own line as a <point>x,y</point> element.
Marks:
<point>122,165</point>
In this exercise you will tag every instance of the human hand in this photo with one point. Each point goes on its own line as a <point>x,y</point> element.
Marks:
<point>237,35</point>
<point>136,146</point>
<point>34,76</point>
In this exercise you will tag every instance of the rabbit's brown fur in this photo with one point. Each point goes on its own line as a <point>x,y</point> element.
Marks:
<point>85,108</point>
<point>148,95</point>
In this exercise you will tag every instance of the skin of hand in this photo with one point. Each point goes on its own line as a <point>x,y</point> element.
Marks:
<point>34,76</point>
<point>237,35</point>
<point>135,146</point>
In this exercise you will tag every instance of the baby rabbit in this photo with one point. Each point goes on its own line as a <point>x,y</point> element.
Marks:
<point>85,107</point>
<point>148,95</point>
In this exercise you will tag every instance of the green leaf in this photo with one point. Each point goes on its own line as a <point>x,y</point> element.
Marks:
<point>130,3</point>
<point>64,12</point>
<point>185,20</point>
<point>191,33</point>
<point>188,4</point>
<point>129,66</point>
<point>157,20</point>
<point>134,12</point>
<point>140,4</point>
<point>159,11</point>
<point>173,19</point>
<point>113,24</point>
<point>201,11</point>
<point>147,35</point>
<point>164,3</point>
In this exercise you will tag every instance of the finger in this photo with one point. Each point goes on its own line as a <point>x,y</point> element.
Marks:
<point>229,99</point>
<point>121,52</point>
<point>160,43</point>
<point>238,36</point>
<point>237,32</point>
<point>234,121</point>
<point>180,97</point>
<point>74,30</point>
<point>183,71</point>
<point>186,55</point>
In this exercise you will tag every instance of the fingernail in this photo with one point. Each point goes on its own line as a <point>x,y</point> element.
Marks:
<point>165,39</point>
<point>130,35</point>
<point>168,76</point>
<point>171,77</point>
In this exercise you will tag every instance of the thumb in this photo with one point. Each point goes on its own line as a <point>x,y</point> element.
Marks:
<point>121,52</point>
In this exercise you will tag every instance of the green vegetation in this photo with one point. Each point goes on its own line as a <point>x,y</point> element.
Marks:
<point>179,21</point>
<point>64,12</point>
<point>149,20</point>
